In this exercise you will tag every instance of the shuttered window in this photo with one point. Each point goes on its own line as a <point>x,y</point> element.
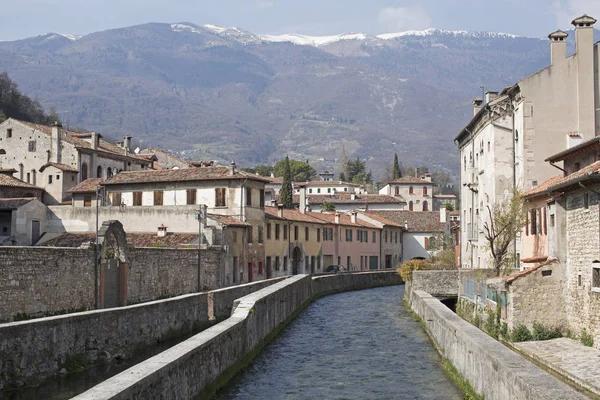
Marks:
<point>191,197</point>
<point>87,201</point>
<point>158,197</point>
<point>220,197</point>
<point>137,198</point>
<point>116,199</point>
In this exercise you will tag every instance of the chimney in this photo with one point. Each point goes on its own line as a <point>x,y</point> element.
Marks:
<point>273,203</point>
<point>490,96</point>
<point>477,105</point>
<point>584,44</point>
<point>95,140</point>
<point>405,225</point>
<point>280,210</point>
<point>232,168</point>
<point>443,214</point>
<point>558,47</point>
<point>302,204</point>
<point>162,231</point>
<point>574,139</point>
<point>353,218</point>
<point>336,218</point>
<point>55,154</point>
<point>127,143</point>
<point>120,144</point>
<point>427,177</point>
<point>353,196</point>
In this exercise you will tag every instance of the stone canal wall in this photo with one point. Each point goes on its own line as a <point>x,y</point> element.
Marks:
<point>203,362</point>
<point>492,369</point>
<point>439,283</point>
<point>36,349</point>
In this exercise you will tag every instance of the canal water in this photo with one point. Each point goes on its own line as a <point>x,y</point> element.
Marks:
<point>353,345</point>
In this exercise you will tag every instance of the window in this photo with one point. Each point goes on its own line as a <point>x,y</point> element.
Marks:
<point>385,236</point>
<point>262,198</point>
<point>109,173</point>
<point>374,237</point>
<point>285,232</point>
<point>410,190</point>
<point>31,146</point>
<point>396,191</point>
<point>87,200</point>
<point>137,198</point>
<point>544,222</point>
<point>596,276</point>
<point>348,235</point>
<point>260,268</point>
<point>28,177</point>
<point>319,190</point>
<point>116,198</point>
<point>190,195</point>
<point>576,167</point>
<point>586,200</point>
<point>277,231</point>
<point>260,235</point>
<point>318,262</point>
<point>234,236</point>
<point>220,197</point>
<point>295,232</point>
<point>424,190</point>
<point>309,190</point>
<point>269,263</point>
<point>250,234</point>
<point>533,222</point>
<point>57,177</point>
<point>348,263</point>
<point>84,172</point>
<point>306,233</point>
<point>158,197</point>
<point>49,179</point>
<point>249,196</point>
<point>489,146</point>
<point>425,206</point>
<point>328,190</point>
<point>285,262</point>
<point>579,280</point>
<point>552,220</point>
<point>268,233</point>
<point>318,234</point>
<point>9,133</point>
<point>410,206</point>
<point>396,235</point>
<point>312,263</point>
<point>277,263</point>
<point>99,172</point>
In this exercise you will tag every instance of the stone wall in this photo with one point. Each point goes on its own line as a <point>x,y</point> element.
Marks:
<point>43,281</point>
<point>438,283</point>
<point>493,370</point>
<point>193,367</point>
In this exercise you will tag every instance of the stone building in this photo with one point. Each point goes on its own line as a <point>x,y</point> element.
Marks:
<point>293,242</point>
<point>390,238</point>
<point>417,192</point>
<point>11,187</point>
<point>21,221</point>
<point>512,132</point>
<point>345,202</point>
<point>56,159</point>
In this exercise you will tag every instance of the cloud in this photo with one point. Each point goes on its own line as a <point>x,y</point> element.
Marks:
<point>404,18</point>
<point>566,10</point>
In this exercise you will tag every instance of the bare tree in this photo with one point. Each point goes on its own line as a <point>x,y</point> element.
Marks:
<point>506,221</point>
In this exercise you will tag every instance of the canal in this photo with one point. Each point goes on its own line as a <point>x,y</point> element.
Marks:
<point>353,345</point>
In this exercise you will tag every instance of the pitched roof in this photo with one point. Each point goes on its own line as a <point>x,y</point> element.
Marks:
<point>77,140</point>
<point>560,182</point>
<point>331,183</point>
<point>348,198</point>
<point>575,150</point>
<point>87,186</point>
<point>62,167</point>
<point>345,219</point>
<point>159,153</point>
<point>13,204</point>
<point>291,215</point>
<point>180,175</point>
<point>416,221</point>
<point>382,219</point>
<point>410,179</point>
<point>7,180</point>
<point>133,239</point>
<point>227,220</point>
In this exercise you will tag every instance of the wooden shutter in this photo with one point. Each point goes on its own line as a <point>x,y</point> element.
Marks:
<point>158,197</point>
<point>137,198</point>
<point>191,196</point>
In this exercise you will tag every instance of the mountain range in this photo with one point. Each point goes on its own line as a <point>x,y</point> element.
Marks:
<point>223,93</point>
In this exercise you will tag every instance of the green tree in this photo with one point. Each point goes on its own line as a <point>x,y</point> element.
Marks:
<point>506,220</point>
<point>355,167</point>
<point>362,178</point>
<point>327,206</point>
<point>396,172</point>
<point>286,187</point>
<point>53,116</point>
<point>261,169</point>
<point>343,164</point>
<point>2,116</point>
<point>300,171</point>
<point>342,177</point>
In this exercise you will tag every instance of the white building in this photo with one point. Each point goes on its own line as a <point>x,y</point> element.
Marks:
<point>417,192</point>
<point>510,135</point>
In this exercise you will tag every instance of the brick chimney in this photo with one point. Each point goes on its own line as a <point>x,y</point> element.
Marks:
<point>584,43</point>
<point>127,143</point>
<point>574,139</point>
<point>353,218</point>
<point>443,214</point>
<point>162,231</point>
<point>558,47</point>
<point>232,168</point>
<point>336,218</point>
<point>477,105</point>
<point>56,150</point>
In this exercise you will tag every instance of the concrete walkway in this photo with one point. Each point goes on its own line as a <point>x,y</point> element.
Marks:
<point>568,357</point>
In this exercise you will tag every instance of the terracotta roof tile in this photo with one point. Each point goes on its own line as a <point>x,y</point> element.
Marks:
<point>417,221</point>
<point>586,146</point>
<point>347,198</point>
<point>345,219</point>
<point>180,175</point>
<point>87,186</point>
<point>291,215</point>
<point>62,167</point>
<point>559,182</point>
<point>7,180</point>
<point>13,204</point>
<point>171,240</point>
<point>227,220</point>
<point>411,179</point>
<point>382,219</point>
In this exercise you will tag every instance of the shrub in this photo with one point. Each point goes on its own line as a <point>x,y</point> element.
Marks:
<point>491,325</point>
<point>586,338</point>
<point>541,332</point>
<point>477,320</point>
<point>504,330</point>
<point>520,334</point>
<point>409,266</point>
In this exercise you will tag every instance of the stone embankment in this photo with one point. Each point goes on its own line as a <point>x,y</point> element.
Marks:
<point>200,364</point>
<point>492,369</point>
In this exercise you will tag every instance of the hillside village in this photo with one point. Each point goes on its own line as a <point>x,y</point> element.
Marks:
<point>89,224</point>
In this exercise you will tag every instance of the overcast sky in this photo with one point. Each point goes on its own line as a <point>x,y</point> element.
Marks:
<point>537,18</point>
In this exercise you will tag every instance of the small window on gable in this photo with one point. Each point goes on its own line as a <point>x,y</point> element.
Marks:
<point>9,133</point>
<point>31,146</point>
<point>586,200</point>
<point>49,179</point>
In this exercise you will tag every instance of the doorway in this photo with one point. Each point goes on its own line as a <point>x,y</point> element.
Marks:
<point>35,232</point>
<point>296,260</point>
<point>250,272</point>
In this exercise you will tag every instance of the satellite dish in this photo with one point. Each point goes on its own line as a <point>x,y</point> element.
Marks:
<point>137,150</point>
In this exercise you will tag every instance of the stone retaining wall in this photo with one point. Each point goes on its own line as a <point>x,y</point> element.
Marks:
<point>439,283</point>
<point>492,369</point>
<point>35,349</point>
<point>196,365</point>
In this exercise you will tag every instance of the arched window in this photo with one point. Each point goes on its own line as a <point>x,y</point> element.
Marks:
<point>410,206</point>
<point>397,191</point>
<point>109,173</point>
<point>84,172</point>
<point>424,190</point>
<point>410,190</point>
<point>2,152</point>
<point>99,173</point>
<point>425,206</point>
